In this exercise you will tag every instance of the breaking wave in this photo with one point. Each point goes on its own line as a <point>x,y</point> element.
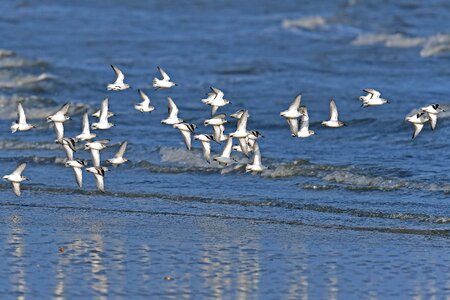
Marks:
<point>309,23</point>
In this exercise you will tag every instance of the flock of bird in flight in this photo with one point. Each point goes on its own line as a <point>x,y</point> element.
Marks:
<point>295,114</point>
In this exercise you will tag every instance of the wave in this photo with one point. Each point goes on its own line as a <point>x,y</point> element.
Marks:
<point>431,45</point>
<point>309,23</point>
<point>29,81</point>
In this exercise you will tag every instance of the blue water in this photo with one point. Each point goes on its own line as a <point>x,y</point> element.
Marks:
<point>356,212</point>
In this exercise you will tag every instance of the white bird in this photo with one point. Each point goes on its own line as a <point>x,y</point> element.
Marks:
<point>334,120</point>
<point>144,106</point>
<point>256,165</point>
<point>77,166</point>
<point>21,122</point>
<point>163,83</point>
<point>103,122</point>
<point>218,133</point>
<point>118,85</point>
<point>186,129</point>
<point>119,158</point>
<point>252,136</point>
<point>241,133</point>
<point>215,100</point>
<point>16,178</point>
<point>173,114</point>
<point>372,98</point>
<point>433,110</point>
<point>99,174</point>
<point>69,147</point>
<point>95,148</point>
<point>238,114</point>
<point>293,110</point>
<point>418,120</point>
<point>224,158</point>
<point>205,139</point>
<point>60,115</point>
<point>304,131</point>
<point>86,134</point>
<point>216,120</point>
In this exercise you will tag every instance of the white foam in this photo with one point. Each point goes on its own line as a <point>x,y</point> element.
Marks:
<point>311,22</point>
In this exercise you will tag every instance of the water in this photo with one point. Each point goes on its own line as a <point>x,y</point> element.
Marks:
<point>361,211</point>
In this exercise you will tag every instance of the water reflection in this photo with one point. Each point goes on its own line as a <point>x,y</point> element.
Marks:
<point>16,247</point>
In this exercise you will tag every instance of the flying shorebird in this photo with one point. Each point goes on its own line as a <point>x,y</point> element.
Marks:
<point>372,98</point>
<point>16,178</point>
<point>433,110</point>
<point>21,122</point>
<point>95,148</point>
<point>241,133</point>
<point>86,134</point>
<point>77,166</point>
<point>119,158</point>
<point>99,174</point>
<point>304,131</point>
<point>163,83</point>
<point>103,122</point>
<point>118,85</point>
<point>252,136</point>
<point>58,119</point>
<point>173,114</point>
<point>418,120</point>
<point>256,165</point>
<point>205,139</point>
<point>216,120</point>
<point>224,158</point>
<point>218,131</point>
<point>144,106</point>
<point>293,110</point>
<point>215,100</point>
<point>69,147</point>
<point>186,129</point>
<point>333,122</point>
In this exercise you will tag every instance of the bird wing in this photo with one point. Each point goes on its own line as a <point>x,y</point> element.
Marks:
<point>256,155</point>
<point>122,149</point>
<point>296,102</point>
<point>104,111</point>
<point>433,120</point>
<point>217,92</point>
<point>293,125</point>
<point>304,125</point>
<point>119,74</point>
<point>244,146</point>
<point>19,169</point>
<point>242,123</point>
<point>22,119</point>
<point>86,129</point>
<point>95,157</point>
<point>144,97</point>
<point>69,151</point>
<point>417,130</point>
<point>59,129</point>
<point>173,109</point>
<point>373,92</point>
<point>187,138</point>
<point>163,74</point>
<point>333,111</point>
<point>64,109</point>
<point>214,109</point>
<point>78,175</point>
<point>206,149</point>
<point>219,116</point>
<point>16,188</point>
<point>217,132</point>
<point>227,149</point>
<point>99,182</point>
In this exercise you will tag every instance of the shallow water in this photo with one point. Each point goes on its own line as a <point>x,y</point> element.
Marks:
<point>360,211</point>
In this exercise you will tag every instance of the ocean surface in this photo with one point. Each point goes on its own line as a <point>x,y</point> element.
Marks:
<point>359,212</point>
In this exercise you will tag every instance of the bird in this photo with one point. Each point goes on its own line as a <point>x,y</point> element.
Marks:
<point>205,139</point>
<point>238,114</point>
<point>252,136</point>
<point>99,174</point>
<point>118,85</point>
<point>333,122</point>
<point>95,147</point>
<point>256,165</point>
<point>224,158</point>
<point>418,120</point>
<point>241,133</point>
<point>16,178</point>
<point>163,83</point>
<point>372,98</point>
<point>216,120</point>
<point>218,131</point>
<point>77,166</point>
<point>58,119</point>
<point>103,123</point>
<point>119,158</point>
<point>173,114</point>
<point>69,147</point>
<point>21,122</point>
<point>215,100</point>
<point>86,134</point>
<point>433,110</point>
<point>304,131</point>
<point>186,129</point>
<point>144,106</point>
<point>293,110</point>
